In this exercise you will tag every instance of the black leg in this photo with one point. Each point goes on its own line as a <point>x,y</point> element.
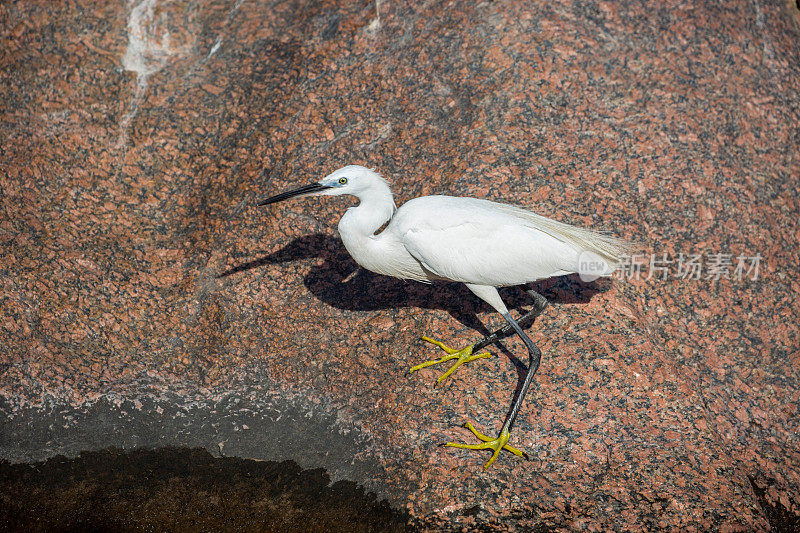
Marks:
<point>471,352</point>
<point>535,358</point>
<point>501,442</point>
<point>539,305</point>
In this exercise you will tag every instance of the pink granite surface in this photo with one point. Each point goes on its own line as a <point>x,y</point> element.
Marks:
<point>136,138</point>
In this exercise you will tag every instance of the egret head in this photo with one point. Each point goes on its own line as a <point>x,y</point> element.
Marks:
<point>352,179</point>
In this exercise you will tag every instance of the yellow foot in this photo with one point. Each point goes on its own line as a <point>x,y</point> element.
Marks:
<point>488,444</point>
<point>462,356</point>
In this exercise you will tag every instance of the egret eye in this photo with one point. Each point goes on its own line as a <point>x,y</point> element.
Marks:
<point>342,181</point>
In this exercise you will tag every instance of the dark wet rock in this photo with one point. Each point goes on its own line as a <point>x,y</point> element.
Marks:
<point>173,489</point>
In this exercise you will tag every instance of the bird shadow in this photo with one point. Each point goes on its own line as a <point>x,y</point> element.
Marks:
<point>340,282</point>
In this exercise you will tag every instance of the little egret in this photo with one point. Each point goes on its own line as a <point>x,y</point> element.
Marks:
<point>480,243</point>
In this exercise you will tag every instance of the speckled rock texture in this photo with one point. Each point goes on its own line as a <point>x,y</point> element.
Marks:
<point>145,300</point>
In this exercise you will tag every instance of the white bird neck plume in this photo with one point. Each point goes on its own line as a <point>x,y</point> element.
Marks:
<point>359,224</point>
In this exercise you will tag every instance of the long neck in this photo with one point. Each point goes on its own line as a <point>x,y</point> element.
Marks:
<point>359,224</point>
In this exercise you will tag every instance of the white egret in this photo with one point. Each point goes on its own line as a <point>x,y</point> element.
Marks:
<point>481,243</point>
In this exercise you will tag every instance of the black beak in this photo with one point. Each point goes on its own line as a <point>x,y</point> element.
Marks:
<point>308,189</point>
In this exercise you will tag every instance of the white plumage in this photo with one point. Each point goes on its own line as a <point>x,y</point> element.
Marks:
<point>480,243</point>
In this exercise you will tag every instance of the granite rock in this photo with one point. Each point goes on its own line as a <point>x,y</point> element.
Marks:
<point>146,301</point>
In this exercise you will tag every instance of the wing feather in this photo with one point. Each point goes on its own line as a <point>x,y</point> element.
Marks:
<point>483,242</point>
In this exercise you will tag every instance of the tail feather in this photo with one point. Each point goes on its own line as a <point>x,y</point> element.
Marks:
<point>610,249</point>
